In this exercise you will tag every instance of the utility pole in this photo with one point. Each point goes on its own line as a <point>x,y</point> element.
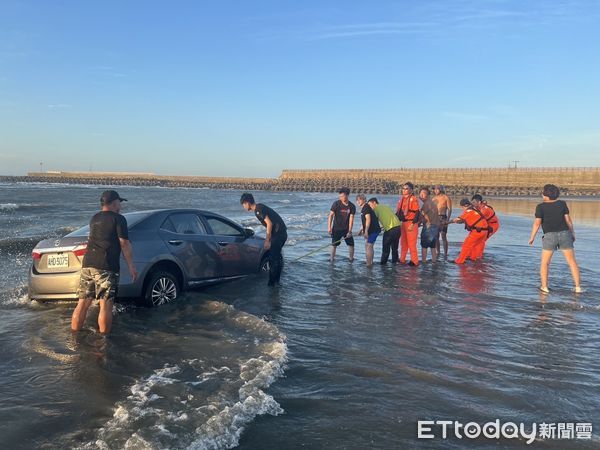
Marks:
<point>516,162</point>
<point>41,167</point>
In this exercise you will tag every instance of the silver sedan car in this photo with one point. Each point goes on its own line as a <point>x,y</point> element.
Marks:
<point>173,250</point>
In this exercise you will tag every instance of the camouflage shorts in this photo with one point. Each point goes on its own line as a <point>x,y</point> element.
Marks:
<point>97,284</point>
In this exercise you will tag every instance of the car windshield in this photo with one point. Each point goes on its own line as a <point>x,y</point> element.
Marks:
<point>133,218</point>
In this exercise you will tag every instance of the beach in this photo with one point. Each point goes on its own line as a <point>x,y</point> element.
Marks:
<point>339,356</point>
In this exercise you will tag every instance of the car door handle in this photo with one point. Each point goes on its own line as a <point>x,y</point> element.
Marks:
<point>175,242</point>
<point>223,243</point>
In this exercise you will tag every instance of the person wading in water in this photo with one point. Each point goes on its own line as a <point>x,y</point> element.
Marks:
<point>409,213</point>
<point>276,234</point>
<point>553,216</point>
<point>391,226</point>
<point>477,227</point>
<point>444,204</point>
<point>340,222</point>
<point>370,227</point>
<point>100,269</point>
<point>491,217</point>
<point>430,233</point>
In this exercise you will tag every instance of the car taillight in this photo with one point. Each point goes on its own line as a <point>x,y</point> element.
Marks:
<point>80,251</point>
<point>36,255</point>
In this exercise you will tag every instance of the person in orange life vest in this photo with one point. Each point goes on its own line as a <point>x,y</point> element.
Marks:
<point>491,217</point>
<point>409,213</point>
<point>477,226</point>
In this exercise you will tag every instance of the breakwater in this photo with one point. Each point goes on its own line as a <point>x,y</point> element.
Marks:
<point>136,179</point>
<point>522,182</point>
<point>460,181</point>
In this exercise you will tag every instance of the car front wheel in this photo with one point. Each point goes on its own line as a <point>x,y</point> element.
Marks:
<point>265,264</point>
<point>162,288</point>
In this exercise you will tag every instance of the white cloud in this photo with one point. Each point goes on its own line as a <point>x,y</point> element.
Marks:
<point>464,117</point>
<point>110,71</point>
<point>375,28</point>
<point>59,106</point>
<point>444,17</point>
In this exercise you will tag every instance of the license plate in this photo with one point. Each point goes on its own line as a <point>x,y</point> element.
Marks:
<point>58,261</point>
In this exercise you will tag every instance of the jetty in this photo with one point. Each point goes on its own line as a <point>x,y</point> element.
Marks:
<point>510,181</point>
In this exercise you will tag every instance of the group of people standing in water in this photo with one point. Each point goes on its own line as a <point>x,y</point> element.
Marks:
<point>109,237</point>
<point>432,214</point>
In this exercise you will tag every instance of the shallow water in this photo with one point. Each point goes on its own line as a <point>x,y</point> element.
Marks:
<point>339,356</point>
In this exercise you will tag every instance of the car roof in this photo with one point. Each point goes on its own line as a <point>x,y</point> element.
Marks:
<point>171,210</point>
<point>153,212</point>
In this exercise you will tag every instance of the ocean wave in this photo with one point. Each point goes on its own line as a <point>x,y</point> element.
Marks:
<point>27,243</point>
<point>18,297</point>
<point>12,207</point>
<point>224,429</point>
<point>307,238</point>
<point>250,222</point>
<point>299,221</point>
<point>48,185</point>
<point>19,244</point>
<point>8,206</point>
<point>198,404</point>
<point>304,221</point>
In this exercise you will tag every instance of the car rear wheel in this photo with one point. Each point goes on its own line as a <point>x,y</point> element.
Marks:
<point>162,288</point>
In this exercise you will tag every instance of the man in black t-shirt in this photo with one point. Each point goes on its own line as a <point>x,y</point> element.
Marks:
<point>340,222</point>
<point>100,268</point>
<point>370,227</point>
<point>276,234</point>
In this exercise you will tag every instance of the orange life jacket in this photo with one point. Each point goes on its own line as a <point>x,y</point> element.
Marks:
<point>489,214</point>
<point>408,209</point>
<point>474,220</point>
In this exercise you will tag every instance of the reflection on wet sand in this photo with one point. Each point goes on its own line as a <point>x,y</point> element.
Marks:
<point>582,211</point>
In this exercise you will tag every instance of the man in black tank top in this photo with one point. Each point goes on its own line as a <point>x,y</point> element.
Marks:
<point>276,234</point>
<point>100,268</point>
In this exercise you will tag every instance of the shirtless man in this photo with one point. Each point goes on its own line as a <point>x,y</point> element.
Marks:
<point>444,204</point>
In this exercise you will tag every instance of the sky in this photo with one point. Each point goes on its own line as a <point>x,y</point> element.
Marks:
<point>248,88</point>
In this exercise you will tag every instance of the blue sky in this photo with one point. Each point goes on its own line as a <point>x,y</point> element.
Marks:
<point>248,88</point>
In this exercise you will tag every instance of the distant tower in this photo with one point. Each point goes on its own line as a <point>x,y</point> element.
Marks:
<point>41,167</point>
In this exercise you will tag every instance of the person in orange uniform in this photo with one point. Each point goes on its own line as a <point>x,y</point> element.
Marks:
<point>491,217</point>
<point>477,227</point>
<point>409,213</point>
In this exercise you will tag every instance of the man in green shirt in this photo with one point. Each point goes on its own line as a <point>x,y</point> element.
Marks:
<point>391,226</point>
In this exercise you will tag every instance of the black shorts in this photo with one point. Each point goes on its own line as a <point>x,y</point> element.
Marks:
<point>337,236</point>
<point>444,223</point>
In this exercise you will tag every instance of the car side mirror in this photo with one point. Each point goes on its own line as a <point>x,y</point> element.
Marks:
<point>248,232</point>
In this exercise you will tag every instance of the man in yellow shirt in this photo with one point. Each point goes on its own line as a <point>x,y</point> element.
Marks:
<point>391,226</point>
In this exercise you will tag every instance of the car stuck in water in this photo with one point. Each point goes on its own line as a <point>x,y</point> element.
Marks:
<point>173,250</point>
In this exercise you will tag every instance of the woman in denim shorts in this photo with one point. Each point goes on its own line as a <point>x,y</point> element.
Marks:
<point>553,216</point>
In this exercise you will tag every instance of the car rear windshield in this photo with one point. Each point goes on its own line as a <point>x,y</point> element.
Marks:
<point>133,218</point>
